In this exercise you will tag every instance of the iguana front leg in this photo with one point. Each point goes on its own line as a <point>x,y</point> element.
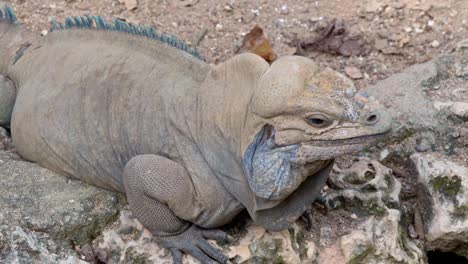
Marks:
<point>160,194</point>
<point>7,100</point>
<point>281,216</point>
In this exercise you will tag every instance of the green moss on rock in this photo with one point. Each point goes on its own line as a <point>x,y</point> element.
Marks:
<point>449,187</point>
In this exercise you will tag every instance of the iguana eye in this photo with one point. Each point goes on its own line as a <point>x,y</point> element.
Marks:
<point>318,120</point>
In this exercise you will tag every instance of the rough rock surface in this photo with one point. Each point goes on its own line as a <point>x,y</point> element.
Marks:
<point>373,234</point>
<point>369,190</point>
<point>127,240</point>
<point>444,199</point>
<point>18,245</point>
<point>43,215</point>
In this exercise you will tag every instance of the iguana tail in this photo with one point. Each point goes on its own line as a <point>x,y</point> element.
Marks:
<point>14,40</point>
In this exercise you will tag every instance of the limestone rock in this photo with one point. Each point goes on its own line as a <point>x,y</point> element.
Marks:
<point>444,199</point>
<point>405,98</point>
<point>34,197</point>
<point>369,188</point>
<point>127,240</point>
<point>366,182</point>
<point>459,109</point>
<point>18,245</point>
<point>377,240</point>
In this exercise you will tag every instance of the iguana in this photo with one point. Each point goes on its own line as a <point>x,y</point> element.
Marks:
<point>125,108</point>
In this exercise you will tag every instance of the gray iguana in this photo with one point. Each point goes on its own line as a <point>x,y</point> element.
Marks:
<point>125,108</point>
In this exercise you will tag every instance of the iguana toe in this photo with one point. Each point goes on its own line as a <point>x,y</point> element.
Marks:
<point>307,216</point>
<point>193,242</point>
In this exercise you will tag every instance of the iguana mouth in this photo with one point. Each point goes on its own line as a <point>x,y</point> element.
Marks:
<point>362,140</point>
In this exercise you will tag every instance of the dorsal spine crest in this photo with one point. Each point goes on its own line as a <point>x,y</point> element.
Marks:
<point>7,14</point>
<point>98,22</point>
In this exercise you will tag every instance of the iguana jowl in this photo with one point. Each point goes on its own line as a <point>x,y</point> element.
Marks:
<point>191,145</point>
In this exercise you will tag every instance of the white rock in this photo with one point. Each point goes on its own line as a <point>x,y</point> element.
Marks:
<point>435,44</point>
<point>377,240</point>
<point>383,154</point>
<point>130,4</point>
<point>445,199</point>
<point>353,72</point>
<point>459,109</point>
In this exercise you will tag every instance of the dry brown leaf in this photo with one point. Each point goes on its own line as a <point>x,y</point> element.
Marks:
<point>334,39</point>
<point>257,42</point>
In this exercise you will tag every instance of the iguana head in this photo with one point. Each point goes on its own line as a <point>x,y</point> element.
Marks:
<point>305,115</point>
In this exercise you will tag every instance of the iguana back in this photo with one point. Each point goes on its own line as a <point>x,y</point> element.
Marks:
<point>88,100</point>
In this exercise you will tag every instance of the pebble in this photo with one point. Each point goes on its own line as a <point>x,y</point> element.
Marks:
<point>423,145</point>
<point>228,8</point>
<point>398,5</point>
<point>380,44</point>
<point>353,72</point>
<point>459,109</point>
<point>435,44</point>
<point>412,232</point>
<point>130,4</point>
<point>284,9</point>
<point>383,154</point>
<point>249,17</point>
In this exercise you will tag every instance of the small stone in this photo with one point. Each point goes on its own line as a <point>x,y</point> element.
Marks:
<point>228,8</point>
<point>380,44</point>
<point>435,44</point>
<point>384,154</point>
<point>412,232</point>
<point>53,6</point>
<point>311,250</point>
<point>130,4</point>
<point>354,216</point>
<point>280,22</point>
<point>374,7</point>
<point>403,41</point>
<point>423,145</point>
<point>44,32</point>
<point>408,29</point>
<point>398,5</point>
<point>462,44</point>
<point>459,109</point>
<point>353,72</point>
<point>249,17</point>
<point>284,10</point>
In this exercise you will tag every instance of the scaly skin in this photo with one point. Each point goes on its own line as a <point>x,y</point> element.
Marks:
<point>190,144</point>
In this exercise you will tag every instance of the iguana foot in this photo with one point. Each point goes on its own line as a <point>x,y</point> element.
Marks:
<point>7,100</point>
<point>193,241</point>
<point>307,215</point>
<point>321,200</point>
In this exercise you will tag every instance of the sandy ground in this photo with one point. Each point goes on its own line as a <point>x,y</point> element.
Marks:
<point>395,33</point>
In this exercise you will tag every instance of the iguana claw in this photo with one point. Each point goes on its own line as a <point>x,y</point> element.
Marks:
<point>193,241</point>
<point>307,215</point>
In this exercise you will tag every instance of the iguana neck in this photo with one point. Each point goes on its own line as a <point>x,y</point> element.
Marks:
<point>14,40</point>
<point>225,98</point>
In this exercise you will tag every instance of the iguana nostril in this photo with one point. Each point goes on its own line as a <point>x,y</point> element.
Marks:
<point>372,119</point>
